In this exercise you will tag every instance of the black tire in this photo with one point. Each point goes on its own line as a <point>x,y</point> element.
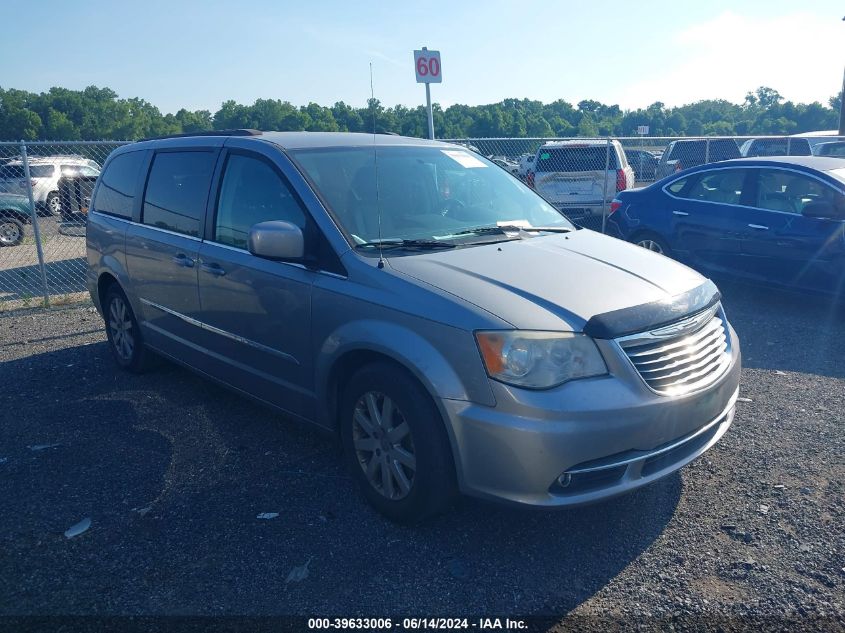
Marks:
<point>53,205</point>
<point>134,356</point>
<point>657,243</point>
<point>432,486</point>
<point>11,231</point>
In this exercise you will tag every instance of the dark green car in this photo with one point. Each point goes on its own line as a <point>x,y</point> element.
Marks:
<point>14,214</point>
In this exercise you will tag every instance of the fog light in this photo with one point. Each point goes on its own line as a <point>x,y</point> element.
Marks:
<point>564,480</point>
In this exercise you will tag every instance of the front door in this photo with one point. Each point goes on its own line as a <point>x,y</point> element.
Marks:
<point>162,250</point>
<point>257,313</point>
<point>707,218</point>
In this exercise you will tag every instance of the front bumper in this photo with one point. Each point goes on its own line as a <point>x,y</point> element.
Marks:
<point>599,437</point>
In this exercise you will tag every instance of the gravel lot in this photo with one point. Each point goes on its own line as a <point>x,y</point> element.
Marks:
<point>173,471</point>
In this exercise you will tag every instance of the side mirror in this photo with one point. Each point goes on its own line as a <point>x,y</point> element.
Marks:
<point>276,240</point>
<point>823,210</point>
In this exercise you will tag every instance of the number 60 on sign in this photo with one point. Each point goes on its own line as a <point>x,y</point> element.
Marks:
<point>427,66</point>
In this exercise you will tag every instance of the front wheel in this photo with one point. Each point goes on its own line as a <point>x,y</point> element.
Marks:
<point>395,444</point>
<point>11,231</point>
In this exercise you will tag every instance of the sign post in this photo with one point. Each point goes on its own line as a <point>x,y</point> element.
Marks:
<point>428,70</point>
<point>642,130</point>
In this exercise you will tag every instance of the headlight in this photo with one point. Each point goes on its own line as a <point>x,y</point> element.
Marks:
<point>539,360</point>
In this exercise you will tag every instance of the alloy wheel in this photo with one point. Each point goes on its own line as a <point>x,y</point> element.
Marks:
<point>650,245</point>
<point>54,205</point>
<point>384,446</point>
<point>10,233</point>
<point>120,325</point>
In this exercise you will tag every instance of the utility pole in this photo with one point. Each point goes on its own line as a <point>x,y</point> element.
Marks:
<point>842,106</point>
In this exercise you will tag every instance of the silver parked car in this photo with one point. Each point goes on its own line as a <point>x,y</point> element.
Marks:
<point>581,177</point>
<point>455,330</point>
<point>45,173</point>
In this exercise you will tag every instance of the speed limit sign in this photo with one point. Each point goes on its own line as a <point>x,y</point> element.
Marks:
<point>427,66</point>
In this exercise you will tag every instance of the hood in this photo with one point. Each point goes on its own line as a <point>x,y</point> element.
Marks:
<point>552,282</point>
<point>15,199</point>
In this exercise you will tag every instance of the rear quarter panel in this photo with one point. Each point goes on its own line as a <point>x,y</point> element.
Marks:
<point>105,244</point>
<point>642,210</point>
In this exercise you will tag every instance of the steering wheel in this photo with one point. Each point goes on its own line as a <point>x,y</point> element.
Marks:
<point>451,206</point>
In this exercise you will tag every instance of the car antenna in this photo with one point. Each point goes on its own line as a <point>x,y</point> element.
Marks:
<point>375,163</point>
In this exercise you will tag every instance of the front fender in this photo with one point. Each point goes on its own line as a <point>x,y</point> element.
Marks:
<point>404,346</point>
<point>21,215</point>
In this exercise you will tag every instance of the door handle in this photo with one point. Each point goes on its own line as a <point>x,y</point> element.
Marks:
<point>183,260</point>
<point>759,227</point>
<point>213,269</point>
<point>679,213</point>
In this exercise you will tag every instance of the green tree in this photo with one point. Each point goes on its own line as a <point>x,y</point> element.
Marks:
<point>587,127</point>
<point>99,113</point>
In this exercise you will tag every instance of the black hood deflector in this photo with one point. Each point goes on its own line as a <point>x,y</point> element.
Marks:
<point>649,316</point>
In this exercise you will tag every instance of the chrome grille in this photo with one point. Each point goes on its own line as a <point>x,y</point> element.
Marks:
<point>683,356</point>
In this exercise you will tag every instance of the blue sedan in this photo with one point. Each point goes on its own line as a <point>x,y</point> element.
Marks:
<point>778,220</point>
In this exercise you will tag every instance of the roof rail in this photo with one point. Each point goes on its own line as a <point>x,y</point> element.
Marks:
<point>240,132</point>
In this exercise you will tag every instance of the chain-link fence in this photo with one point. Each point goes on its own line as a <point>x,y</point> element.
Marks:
<point>45,190</point>
<point>581,176</point>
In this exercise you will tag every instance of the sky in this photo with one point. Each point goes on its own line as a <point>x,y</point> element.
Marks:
<point>191,54</point>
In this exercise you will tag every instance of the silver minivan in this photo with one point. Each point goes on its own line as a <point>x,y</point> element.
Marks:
<point>453,328</point>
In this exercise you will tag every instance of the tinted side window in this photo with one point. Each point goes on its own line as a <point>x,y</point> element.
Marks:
<point>799,147</point>
<point>779,147</point>
<point>42,171</point>
<point>11,172</point>
<point>117,185</point>
<point>724,149</point>
<point>780,190</point>
<point>678,186</point>
<point>252,192</point>
<point>574,158</point>
<point>723,186</point>
<point>177,191</point>
<point>72,171</point>
<point>689,153</point>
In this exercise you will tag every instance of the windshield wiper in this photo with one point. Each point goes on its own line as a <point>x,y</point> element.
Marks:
<point>512,228</point>
<point>397,243</point>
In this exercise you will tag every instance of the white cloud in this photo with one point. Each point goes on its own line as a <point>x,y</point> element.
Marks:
<point>800,55</point>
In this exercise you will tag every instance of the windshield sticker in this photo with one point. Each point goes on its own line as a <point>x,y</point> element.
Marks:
<point>465,159</point>
<point>545,156</point>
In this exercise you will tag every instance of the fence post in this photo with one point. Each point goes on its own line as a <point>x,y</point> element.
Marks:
<point>707,151</point>
<point>35,227</point>
<point>604,197</point>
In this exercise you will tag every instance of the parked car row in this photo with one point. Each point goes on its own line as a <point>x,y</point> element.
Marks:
<point>777,220</point>
<point>45,172</point>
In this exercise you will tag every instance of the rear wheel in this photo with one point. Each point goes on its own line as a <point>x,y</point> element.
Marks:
<point>653,243</point>
<point>53,204</point>
<point>11,231</point>
<point>124,335</point>
<point>395,444</point>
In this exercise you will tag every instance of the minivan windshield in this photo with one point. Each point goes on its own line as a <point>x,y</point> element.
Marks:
<point>421,194</point>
